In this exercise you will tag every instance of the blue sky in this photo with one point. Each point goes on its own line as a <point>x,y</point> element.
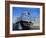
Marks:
<point>18,10</point>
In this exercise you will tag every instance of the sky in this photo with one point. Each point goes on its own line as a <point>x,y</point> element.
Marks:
<point>17,11</point>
